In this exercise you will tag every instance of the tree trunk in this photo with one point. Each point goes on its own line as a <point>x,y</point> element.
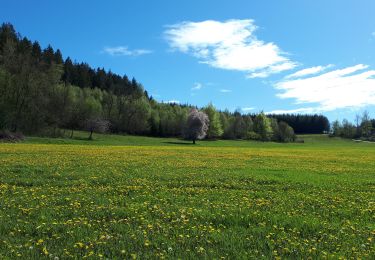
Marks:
<point>71,134</point>
<point>193,141</point>
<point>90,137</point>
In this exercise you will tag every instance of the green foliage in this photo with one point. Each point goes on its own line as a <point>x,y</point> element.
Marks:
<point>363,129</point>
<point>304,123</point>
<point>237,125</point>
<point>3,105</point>
<point>348,129</point>
<point>285,133</point>
<point>168,119</point>
<point>135,115</point>
<point>253,136</point>
<point>366,125</point>
<point>262,126</point>
<point>42,93</point>
<point>215,128</point>
<point>336,128</point>
<point>275,129</point>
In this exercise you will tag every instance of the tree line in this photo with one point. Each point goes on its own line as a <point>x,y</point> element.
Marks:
<point>363,128</point>
<point>305,124</point>
<point>41,93</point>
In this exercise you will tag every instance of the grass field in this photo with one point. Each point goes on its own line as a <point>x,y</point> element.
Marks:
<point>138,197</point>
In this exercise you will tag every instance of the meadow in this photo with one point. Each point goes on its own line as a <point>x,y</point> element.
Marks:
<point>138,197</point>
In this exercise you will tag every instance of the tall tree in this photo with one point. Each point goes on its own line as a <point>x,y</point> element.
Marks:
<point>262,126</point>
<point>336,128</point>
<point>366,125</point>
<point>215,128</point>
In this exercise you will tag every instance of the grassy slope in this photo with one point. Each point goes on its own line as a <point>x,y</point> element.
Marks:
<point>125,196</point>
<point>80,138</point>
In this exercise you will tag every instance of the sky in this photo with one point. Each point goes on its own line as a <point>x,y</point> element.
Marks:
<point>290,56</point>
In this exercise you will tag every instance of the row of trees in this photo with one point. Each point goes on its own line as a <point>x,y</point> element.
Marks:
<point>41,93</point>
<point>212,124</point>
<point>305,124</point>
<point>363,128</point>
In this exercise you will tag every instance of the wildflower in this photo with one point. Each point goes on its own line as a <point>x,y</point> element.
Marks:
<point>45,251</point>
<point>79,245</point>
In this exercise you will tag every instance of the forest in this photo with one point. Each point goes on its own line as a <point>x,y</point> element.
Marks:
<point>41,93</point>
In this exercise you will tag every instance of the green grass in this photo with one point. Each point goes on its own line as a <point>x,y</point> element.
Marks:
<point>127,197</point>
<point>81,138</point>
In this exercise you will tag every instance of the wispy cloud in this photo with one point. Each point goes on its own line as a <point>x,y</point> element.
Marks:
<point>351,87</point>
<point>247,109</point>
<point>225,90</point>
<point>304,110</point>
<point>197,86</point>
<point>309,71</point>
<point>155,95</point>
<point>230,45</point>
<point>124,51</point>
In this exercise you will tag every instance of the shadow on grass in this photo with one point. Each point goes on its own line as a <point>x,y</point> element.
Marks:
<point>179,143</point>
<point>79,138</point>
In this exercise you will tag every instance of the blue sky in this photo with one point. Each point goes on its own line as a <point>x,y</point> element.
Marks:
<point>297,56</point>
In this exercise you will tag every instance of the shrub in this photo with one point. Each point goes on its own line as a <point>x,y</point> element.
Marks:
<point>286,133</point>
<point>253,136</point>
<point>6,136</point>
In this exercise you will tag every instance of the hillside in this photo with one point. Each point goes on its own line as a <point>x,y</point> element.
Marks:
<point>41,92</point>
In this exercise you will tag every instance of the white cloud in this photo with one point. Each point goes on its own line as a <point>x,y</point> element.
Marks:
<point>155,95</point>
<point>225,90</point>
<point>229,45</point>
<point>197,86</point>
<point>304,110</point>
<point>273,69</point>
<point>309,71</point>
<point>261,74</point>
<point>172,102</point>
<point>124,51</point>
<point>351,87</point>
<point>247,109</point>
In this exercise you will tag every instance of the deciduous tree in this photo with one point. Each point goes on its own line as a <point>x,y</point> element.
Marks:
<point>262,126</point>
<point>197,125</point>
<point>215,128</point>
<point>97,125</point>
